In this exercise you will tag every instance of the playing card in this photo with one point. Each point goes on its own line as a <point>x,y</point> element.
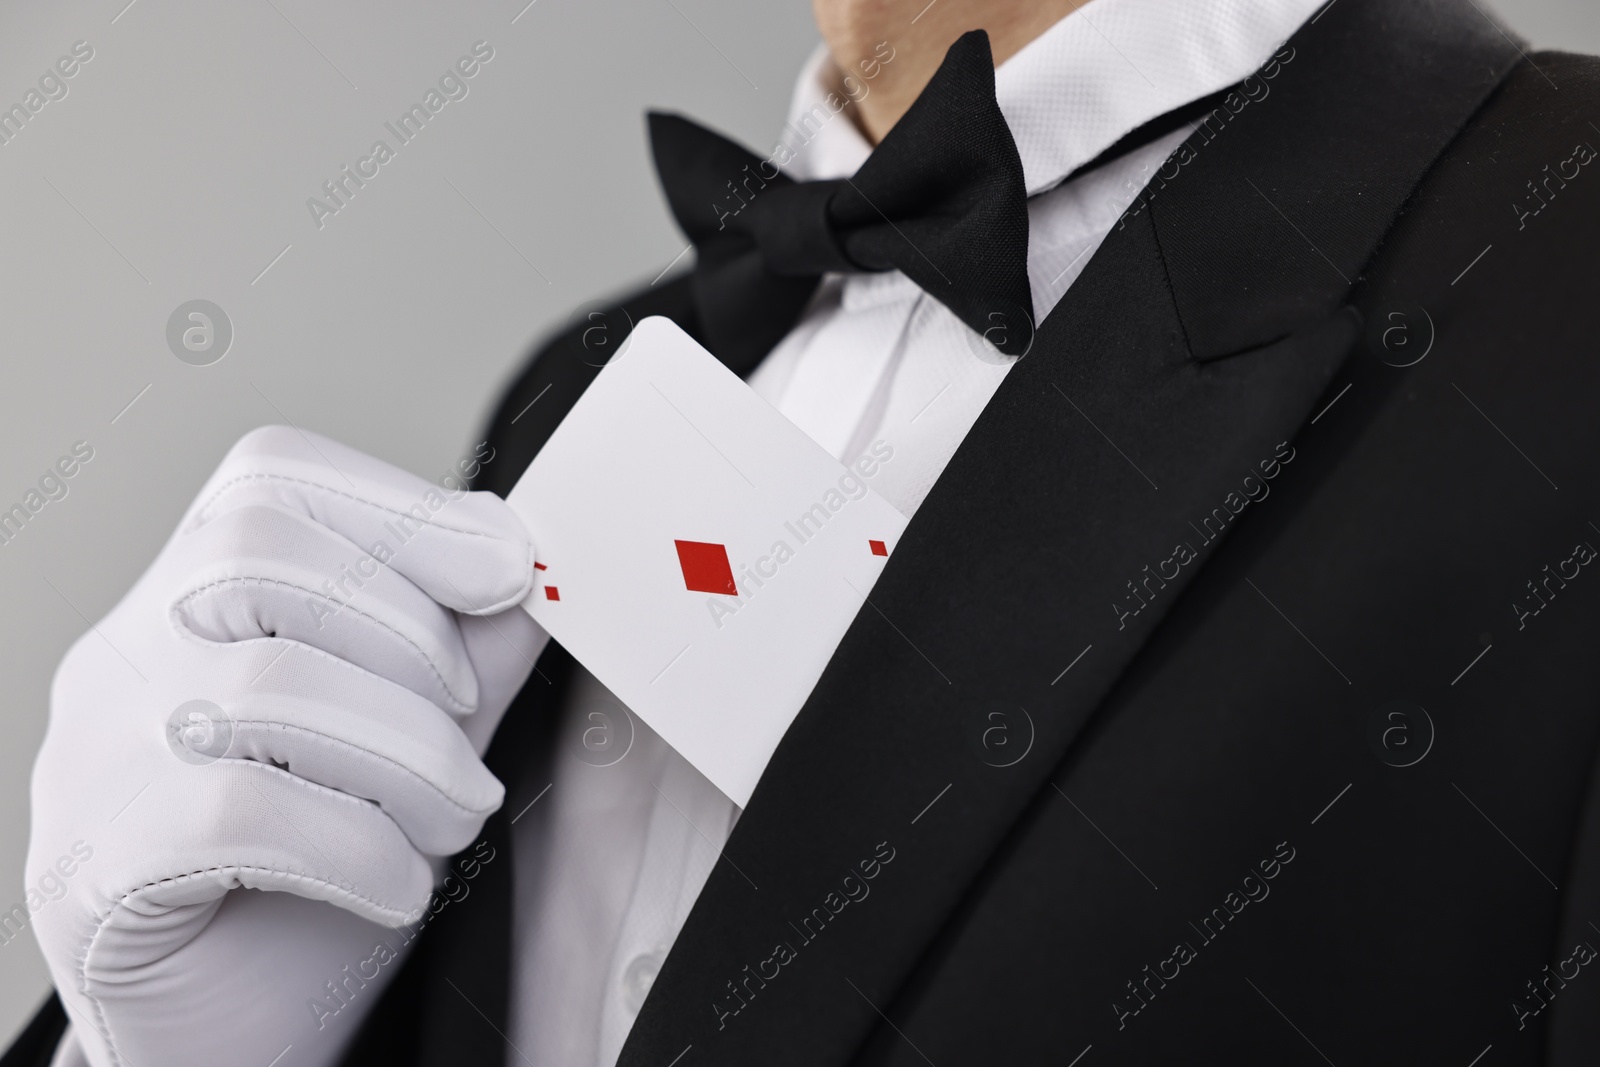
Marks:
<point>697,552</point>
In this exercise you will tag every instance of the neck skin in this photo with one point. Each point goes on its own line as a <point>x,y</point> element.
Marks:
<point>920,33</point>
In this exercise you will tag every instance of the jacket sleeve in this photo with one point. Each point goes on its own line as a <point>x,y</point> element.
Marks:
<point>36,1045</point>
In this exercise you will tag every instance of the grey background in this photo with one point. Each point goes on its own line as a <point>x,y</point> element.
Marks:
<point>178,167</point>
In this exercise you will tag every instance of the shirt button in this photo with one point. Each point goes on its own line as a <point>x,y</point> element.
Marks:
<point>637,979</point>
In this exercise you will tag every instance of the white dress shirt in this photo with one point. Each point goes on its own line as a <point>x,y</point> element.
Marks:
<point>623,833</point>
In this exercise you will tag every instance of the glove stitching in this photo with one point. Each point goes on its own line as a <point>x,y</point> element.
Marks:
<point>379,757</point>
<point>100,1021</point>
<point>82,956</point>
<point>457,704</point>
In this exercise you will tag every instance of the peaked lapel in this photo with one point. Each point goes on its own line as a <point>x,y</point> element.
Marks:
<point>1059,535</point>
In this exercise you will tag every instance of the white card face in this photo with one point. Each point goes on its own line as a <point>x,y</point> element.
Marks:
<point>697,552</point>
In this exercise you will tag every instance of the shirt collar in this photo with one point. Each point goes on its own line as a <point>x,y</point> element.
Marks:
<point>1078,88</point>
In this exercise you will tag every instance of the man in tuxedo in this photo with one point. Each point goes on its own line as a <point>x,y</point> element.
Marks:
<point>1230,697</point>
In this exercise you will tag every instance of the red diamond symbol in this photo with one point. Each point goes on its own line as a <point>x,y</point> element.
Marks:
<point>552,593</point>
<point>878,548</point>
<point>705,568</point>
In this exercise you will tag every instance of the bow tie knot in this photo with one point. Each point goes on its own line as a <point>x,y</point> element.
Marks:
<point>941,199</point>
<point>791,227</point>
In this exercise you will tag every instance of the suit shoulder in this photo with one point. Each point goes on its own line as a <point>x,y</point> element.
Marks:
<point>1546,91</point>
<point>1579,68</point>
<point>593,331</point>
<point>1523,161</point>
<point>558,368</point>
<point>1496,244</point>
<point>1534,144</point>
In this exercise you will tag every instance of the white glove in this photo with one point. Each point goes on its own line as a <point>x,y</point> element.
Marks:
<point>354,630</point>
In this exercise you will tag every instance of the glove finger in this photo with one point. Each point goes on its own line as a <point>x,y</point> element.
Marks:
<point>264,828</point>
<point>174,938</point>
<point>272,970</point>
<point>260,572</point>
<point>365,738</point>
<point>197,831</point>
<point>466,550</point>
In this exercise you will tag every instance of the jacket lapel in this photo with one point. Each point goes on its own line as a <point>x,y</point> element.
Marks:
<point>1190,351</point>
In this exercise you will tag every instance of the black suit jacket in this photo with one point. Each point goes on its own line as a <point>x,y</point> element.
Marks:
<point>1233,696</point>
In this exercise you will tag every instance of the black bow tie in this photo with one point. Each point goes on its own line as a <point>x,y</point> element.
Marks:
<point>942,199</point>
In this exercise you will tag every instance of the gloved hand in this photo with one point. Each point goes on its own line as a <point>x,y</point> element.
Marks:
<point>251,760</point>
